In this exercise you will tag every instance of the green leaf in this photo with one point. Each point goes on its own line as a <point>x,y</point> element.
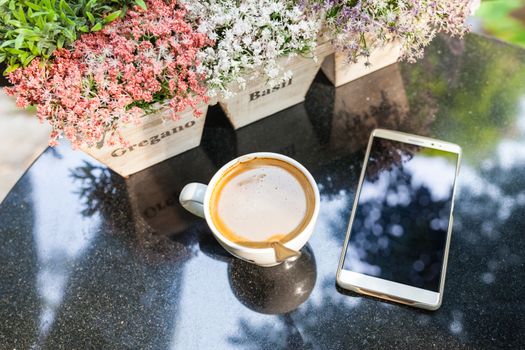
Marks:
<point>60,42</point>
<point>22,57</point>
<point>89,5</point>
<point>112,16</point>
<point>69,21</point>
<point>21,15</point>
<point>32,6</point>
<point>39,13</point>
<point>48,51</point>
<point>141,4</point>
<point>19,41</point>
<point>90,17</point>
<point>14,23</point>
<point>96,27</point>
<point>28,60</point>
<point>40,46</point>
<point>34,50</point>
<point>24,31</point>
<point>14,51</point>
<point>51,16</point>
<point>70,35</point>
<point>30,45</point>
<point>66,7</point>
<point>11,68</point>
<point>40,23</point>
<point>7,43</point>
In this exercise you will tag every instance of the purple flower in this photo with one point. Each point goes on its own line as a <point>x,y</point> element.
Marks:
<point>357,27</point>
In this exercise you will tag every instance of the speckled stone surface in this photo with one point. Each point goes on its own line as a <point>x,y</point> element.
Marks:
<point>89,260</point>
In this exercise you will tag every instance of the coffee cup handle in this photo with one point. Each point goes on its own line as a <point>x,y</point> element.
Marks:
<point>192,198</point>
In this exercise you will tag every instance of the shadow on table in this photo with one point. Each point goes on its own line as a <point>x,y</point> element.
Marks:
<point>148,203</point>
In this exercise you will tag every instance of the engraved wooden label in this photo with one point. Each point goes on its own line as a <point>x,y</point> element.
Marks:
<point>259,100</point>
<point>158,138</point>
<point>258,94</point>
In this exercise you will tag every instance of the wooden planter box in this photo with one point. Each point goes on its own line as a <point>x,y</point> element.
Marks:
<point>339,71</point>
<point>158,138</point>
<point>259,100</point>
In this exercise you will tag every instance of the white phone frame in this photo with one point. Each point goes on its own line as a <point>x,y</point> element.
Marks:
<point>383,288</point>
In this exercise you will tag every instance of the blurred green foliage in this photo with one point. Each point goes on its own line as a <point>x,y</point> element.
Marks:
<point>504,19</point>
<point>478,82</point>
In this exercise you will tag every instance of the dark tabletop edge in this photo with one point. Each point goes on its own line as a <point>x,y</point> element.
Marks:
<point>22,176</point>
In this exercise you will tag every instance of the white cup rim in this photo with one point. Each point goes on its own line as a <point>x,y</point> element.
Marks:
<point>224,168</point>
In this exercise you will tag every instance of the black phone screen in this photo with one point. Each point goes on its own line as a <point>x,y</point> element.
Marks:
<point>400,226</point>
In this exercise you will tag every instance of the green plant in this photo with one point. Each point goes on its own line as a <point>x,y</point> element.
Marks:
<point>35,28</point>
<point>504,19</point>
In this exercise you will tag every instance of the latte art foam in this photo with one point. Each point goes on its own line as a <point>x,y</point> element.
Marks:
<point>261,201</point>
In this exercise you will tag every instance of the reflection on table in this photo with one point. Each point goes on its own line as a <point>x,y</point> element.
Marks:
<point>91,260</point>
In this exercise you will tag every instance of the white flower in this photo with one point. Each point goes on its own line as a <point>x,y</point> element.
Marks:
<point>273,72</point>
<point>250,35</point>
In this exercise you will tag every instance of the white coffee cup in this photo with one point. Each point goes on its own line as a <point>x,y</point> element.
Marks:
<point>195,197</point>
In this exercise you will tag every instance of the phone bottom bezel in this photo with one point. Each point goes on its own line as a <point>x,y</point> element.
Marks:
<point>389,290</point>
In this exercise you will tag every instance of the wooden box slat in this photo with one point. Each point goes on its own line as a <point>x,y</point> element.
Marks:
<point>339,71</point>
<point>259,100</point>
<point>156,139</point>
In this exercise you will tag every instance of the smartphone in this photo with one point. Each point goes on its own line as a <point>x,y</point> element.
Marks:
<point>398,237</point>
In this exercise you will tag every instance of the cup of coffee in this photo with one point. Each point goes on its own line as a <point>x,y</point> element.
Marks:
<point>261,207</point>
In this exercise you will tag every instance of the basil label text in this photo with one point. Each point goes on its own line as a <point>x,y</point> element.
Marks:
<point>152,140</point>
<point>256,94</point>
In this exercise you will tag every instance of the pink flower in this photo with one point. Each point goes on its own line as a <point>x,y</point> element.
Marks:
<point>86,92</point>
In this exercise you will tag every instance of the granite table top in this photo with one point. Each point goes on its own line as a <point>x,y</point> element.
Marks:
<point>91,260</point>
